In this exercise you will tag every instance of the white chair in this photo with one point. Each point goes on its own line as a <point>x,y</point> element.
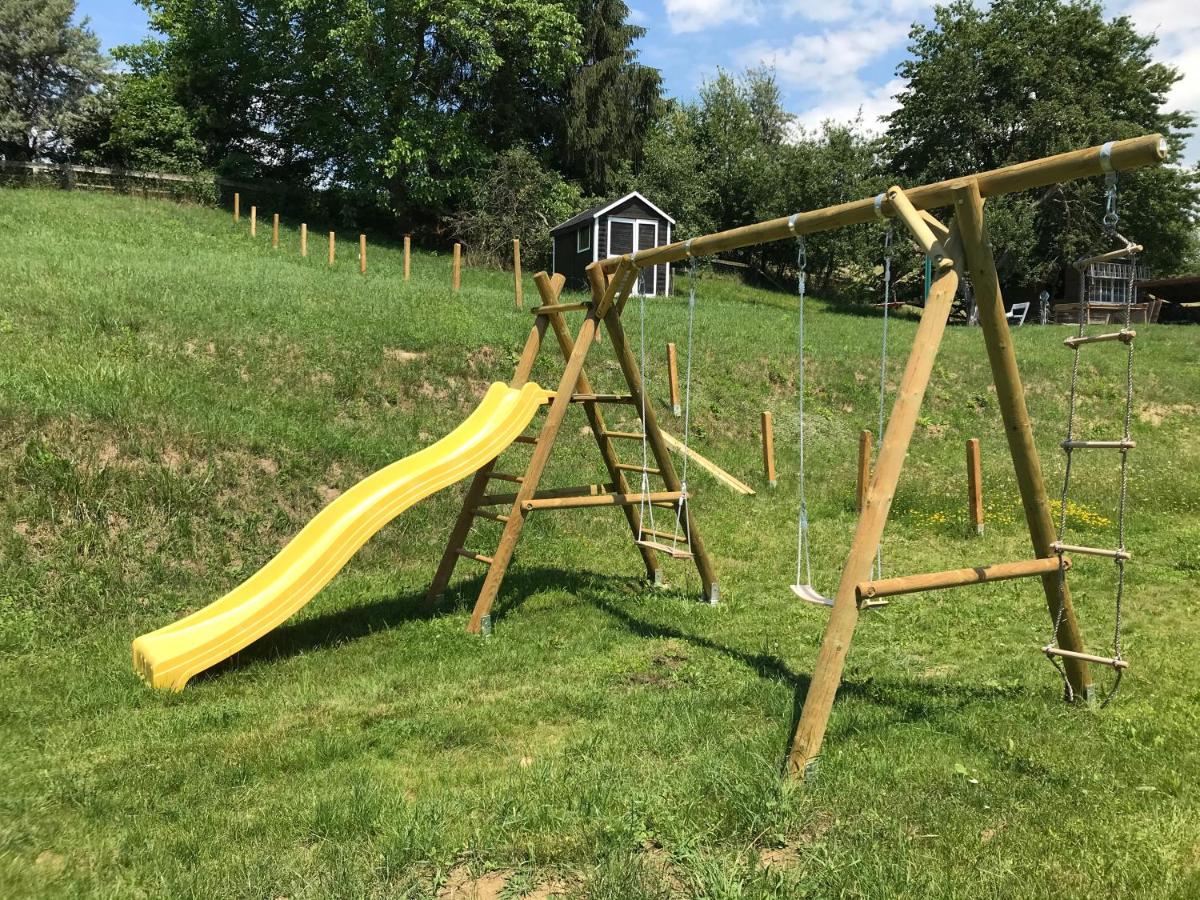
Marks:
<point>1018,313</point>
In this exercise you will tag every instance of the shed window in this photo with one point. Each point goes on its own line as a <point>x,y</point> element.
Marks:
<point>583,239</point>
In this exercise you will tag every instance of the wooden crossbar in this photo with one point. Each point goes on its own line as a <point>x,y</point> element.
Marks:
<point>626,435</point>
<point>1086,657</point>
<point>471,554</point>
<point>1125,336</point>
<point>489,514</point>
<point>602,500</point>
<point>584,490</point>
<point>1110,256</point>
<point>1060,547</point>
<point>1098,445</point>
<point>936,581</point>
<point>559,308</point>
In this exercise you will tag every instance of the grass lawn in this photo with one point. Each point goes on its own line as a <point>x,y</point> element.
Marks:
<point>177,400</point>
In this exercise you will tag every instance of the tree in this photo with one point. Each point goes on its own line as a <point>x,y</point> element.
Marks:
<point>1023,79</point>
<point>49,69</point>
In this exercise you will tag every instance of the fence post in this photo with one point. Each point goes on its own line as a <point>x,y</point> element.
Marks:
<point>673,378</point>
<point>864,469</point>
<point>456,272</point>
<point>253,221</point>
<point>275,232</point>
<point>362,254</point>
<point>304,239</point>
<point>407,250</point>
<point>332,246</point>
<point>975,485</point>
<point>237,206</point>
<point>768,447</point>
<point>517,273</point>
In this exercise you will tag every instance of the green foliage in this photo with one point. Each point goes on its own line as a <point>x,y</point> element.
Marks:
<point>1022,79</point>
<point>517,198</point>
<point>49,70</point>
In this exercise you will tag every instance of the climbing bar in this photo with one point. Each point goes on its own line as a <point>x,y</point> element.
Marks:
<point>471,554</point>
<point>505,476</point>
<point>488,514</point>
<point>1098,445</point>
<point>584,490</point>
<point>602,398</point>
<point>936,581</point>
<point>525,439</point>
<point>1110,256</point>
<point>1135,153</point>
<point>602,500</point>
<point>625,435</point>
<point>1086,657</point>
<point>673,552</point>
<point>1060,547</point>
<point>552,308</point>
<point>918,227</point>
<point>634,467</point>
<point>1125,336</point>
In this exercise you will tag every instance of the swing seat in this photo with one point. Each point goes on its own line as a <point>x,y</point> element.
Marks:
<point>673,552</point>
<point>809,594</point>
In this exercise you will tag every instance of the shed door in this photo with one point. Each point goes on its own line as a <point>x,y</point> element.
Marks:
<point>630,236</point>
<point>647,237</point>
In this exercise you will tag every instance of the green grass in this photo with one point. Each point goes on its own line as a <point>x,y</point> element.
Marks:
<point>177,400</point>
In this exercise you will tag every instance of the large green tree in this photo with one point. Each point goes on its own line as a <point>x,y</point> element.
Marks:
<point>49,71</point>
<point>1022,79</point>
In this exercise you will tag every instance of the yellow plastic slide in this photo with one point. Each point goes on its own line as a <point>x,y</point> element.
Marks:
<point>167,658</point>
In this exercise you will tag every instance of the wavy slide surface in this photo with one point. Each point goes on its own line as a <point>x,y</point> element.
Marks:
<point>167,658</point>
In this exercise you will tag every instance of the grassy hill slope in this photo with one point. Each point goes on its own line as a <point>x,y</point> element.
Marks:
<point>177,400</point>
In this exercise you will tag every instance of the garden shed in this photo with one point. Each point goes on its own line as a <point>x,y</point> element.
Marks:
<point>625,225</point>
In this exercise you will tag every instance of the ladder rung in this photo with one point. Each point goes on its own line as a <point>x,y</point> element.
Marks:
<point>656,497</point>
<point>525,439</point>
<point>933,581</point>
<point>673,552</point>
<point>559,308</point>
<point>1125,336</point>
<point>633,467</point>
<point>1098,445</point>
<point>625,435</point>
<point>601,398</point>
<point>1059,547</point>
<point>504,476</point>
<point>488,514</point>
<point>1086,657</point>
<point>471,554</point>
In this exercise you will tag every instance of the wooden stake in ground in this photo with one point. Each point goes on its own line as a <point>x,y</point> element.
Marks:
<point>332,247</point>
<point>768,447</point>
<point>517,273</point>
<point>864,469</point>
<point>253,221</point>
<point>456,271</point>
<point>975,485</point>
<point>407,251</point>
<point>237,206</point>
<point>275,231</point>
<point>673,378</point>
<point>362,254</point>
<point>304,239</point>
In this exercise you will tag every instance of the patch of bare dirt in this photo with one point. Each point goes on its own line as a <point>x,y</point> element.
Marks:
<point>791,852</point>
<point>395,354</point>
<point>328,494</point>
<point>461,886</point>
<point>481,357</point>
<point>1155,413</point>
<point>49,861</point>
<point>267,466</point>
<point>554,887</point>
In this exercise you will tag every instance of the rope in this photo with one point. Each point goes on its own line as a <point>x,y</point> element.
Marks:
<point>644,506</point>
<point>802,542</point>
<point>681,509</point>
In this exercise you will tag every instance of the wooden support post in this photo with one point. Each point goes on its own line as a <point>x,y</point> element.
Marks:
<point>275,231</point>
<point>362,254</point>
<point>518,288</point>
<point>975,486</point>
<point>864,469</point>
<point>332,247</point>
<point>768,447</point>
<point>456,271</point>
<point>304,240</point>
<point>253,221</point>
<point>673,378</point>
<point>407,252</point>
<point>968,207</point>
<point>237,206</point>
<point>827,674</point>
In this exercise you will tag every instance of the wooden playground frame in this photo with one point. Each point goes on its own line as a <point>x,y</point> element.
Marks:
<point>960,249</point>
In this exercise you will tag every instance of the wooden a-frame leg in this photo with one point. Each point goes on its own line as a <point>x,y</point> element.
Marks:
<point>466,516</point>
<point>1017,427</point>
<point>827,674</point>
<point>549,289</point>
<point>537,465</point>
<point>662,453</point>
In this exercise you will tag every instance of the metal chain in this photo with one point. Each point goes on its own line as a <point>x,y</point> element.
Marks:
<point>802,549</point>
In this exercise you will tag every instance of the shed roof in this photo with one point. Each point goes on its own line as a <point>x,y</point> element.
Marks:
<point>601,208</point>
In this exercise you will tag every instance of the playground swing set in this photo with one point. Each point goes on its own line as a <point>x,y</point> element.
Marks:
<point>170,656</point>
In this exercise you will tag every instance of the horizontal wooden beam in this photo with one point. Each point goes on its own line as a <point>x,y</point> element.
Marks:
<point>1135,153</point>
<point>708,466</point>
<point>1086,657</point>
<point>582,490</point>
<point>935,581</point>
<point>1111,256</point>
<point>603,500</point>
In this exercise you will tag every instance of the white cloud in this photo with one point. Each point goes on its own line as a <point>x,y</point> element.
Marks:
<point>699,15</point>
<point>637,17</point>
<point>828,62</point>
<point>871,104</point>
<point>845,10</point>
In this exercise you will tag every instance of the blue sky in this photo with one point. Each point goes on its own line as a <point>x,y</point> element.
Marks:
<point>833,58</point>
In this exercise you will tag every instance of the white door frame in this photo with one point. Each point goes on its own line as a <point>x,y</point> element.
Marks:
<point>636,223</point>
